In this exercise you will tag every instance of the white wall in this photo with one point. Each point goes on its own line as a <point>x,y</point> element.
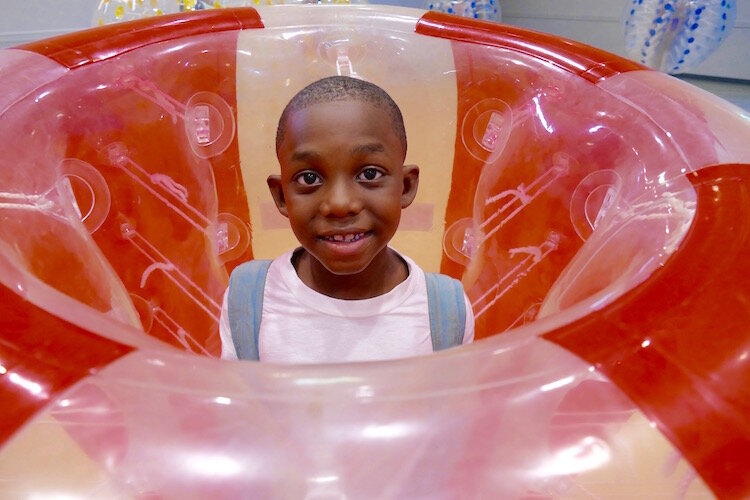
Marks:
<point>24,21</point>
<point>598,23</point>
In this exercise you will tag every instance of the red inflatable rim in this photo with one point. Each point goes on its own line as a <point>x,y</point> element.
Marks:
<point>97,44</point>
<point>653,343</point>
<point>588,62</point>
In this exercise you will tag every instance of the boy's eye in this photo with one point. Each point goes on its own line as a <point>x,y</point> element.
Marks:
<point>308,179</point>
<point>369,174</point>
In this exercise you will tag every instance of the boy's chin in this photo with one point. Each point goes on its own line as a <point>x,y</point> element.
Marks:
<point>344,269</point>
<point>345,259</point>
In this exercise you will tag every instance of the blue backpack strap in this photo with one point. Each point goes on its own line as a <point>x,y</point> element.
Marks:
<point>245,303</point>
<point>445,298</point>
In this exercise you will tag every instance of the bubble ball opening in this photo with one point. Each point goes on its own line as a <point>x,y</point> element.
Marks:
<point>596,211</point>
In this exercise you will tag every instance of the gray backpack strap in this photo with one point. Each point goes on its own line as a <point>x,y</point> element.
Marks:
<point>445,298</point>
<point>245,303</point>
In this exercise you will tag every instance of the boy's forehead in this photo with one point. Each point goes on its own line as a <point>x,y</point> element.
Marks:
<point>327,115</point>
<point>332,111</point>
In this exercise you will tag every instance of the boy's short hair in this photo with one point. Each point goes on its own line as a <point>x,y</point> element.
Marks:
<point>343,88</point>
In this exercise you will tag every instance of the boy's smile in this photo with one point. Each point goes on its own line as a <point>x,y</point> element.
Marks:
<point>342,186</point>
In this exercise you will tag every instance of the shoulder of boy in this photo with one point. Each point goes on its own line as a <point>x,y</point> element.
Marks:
<point>245,303</point>
<point>447,310</point>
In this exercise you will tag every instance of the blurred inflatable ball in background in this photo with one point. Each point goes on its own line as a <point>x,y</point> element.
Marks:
<point>676,36</point>
<point>488,10</point>
<point>115,11</point>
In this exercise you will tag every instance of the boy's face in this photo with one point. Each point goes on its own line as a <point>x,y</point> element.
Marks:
<point>343,183</point>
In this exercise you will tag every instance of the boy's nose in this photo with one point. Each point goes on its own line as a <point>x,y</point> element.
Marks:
<point>341,201</point>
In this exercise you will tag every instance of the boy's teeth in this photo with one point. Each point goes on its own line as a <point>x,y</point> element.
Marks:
<point>345,237</point>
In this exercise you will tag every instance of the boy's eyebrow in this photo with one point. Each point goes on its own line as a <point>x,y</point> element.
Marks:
<point>373,147</point>
<point>304,155</point>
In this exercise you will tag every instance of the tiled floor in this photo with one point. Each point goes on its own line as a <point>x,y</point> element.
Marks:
<point>735,91</point>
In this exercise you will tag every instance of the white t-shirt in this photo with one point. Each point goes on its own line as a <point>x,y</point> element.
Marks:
<point>300,325</point>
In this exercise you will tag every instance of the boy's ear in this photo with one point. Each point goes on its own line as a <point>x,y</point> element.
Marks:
<point>277,193</point>
<point>411,182</point>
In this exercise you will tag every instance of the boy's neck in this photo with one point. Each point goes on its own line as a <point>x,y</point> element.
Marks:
<point>383,274</point>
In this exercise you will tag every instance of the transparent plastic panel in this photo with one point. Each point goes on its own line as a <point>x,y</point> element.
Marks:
<point>579,196</point>
<point>704,127</point>
<point>45,232</point>
<point>515,418</point>
<point>119,160</point>
<point>23,72</point>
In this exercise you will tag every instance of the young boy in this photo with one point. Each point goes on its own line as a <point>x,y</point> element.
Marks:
<point>344,295</point>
